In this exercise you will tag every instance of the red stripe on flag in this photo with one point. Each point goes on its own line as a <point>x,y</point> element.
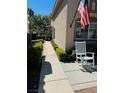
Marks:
<point>82,23</point>
<point>82,13</point>
<point>87,15</point>
<point>83,10</point>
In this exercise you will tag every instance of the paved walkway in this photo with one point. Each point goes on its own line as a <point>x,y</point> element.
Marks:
<point>79,80</point>
<point>52,77</point>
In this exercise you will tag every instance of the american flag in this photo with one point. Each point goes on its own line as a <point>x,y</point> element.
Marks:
<point>83,10</point>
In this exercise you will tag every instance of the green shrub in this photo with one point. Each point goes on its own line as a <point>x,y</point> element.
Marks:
<point>73,55</point>
<point>48,36</point>
<point>61,54</point>
<point>34,52</point>
<point>35,41</point>
<point>38,37</point>
<point>38,43</point>
<point>38,40</point>
<point>54,44</point>
<point>42,40</point>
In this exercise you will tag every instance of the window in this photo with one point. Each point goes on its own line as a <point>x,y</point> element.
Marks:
<point>79,33</point>
<point>88,33</point>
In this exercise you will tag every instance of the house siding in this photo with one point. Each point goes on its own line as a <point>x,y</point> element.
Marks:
<point>72,6</point>
<point>60,24</point>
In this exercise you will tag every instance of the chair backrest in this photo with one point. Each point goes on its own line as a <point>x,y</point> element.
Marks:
<point>80,46</point>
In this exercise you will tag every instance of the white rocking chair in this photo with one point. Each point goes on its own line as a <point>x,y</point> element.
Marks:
<point>81,54</point>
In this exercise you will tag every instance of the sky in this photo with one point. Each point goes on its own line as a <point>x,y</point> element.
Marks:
<point>43,7</point>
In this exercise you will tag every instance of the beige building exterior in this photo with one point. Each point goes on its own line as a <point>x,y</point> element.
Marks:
<point>61,18</point>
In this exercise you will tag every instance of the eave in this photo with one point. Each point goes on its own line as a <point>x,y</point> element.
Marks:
<point>56,8</point>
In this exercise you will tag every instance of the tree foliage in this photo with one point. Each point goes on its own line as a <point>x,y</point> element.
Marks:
<point>30,12</point>
<point>37,22</point>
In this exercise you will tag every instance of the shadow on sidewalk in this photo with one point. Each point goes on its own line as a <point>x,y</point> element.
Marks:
<point>46,70</point>
<point>89,69</point>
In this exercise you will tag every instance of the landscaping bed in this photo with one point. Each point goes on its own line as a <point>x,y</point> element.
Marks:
<point>70,56</point>
<point>63,55</point>
<point>34,62</point>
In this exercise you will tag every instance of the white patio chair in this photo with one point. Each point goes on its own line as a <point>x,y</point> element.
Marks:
<point>81,54</point>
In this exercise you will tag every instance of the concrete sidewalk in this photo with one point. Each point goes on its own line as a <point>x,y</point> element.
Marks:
<point>52,77</point>
<point>79,80</point>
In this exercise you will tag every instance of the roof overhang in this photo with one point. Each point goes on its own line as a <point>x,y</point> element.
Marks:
<point>56,8</point>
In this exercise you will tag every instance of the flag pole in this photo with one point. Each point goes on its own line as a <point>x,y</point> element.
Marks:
<point>75,14</point>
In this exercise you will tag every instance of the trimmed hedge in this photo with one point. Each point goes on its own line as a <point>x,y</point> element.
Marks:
<point>38,40</point>
<point>61,54</point>
<point>34,52</point>
<point>54,44</point>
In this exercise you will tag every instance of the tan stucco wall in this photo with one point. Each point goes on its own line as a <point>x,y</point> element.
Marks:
<point>72,6</point>
<point>60,25</point>
<point>64,35</point>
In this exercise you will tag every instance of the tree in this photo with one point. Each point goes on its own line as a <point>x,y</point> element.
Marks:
<point>30,16</point>
<point>45,20</point>
<point>30,12</point>
<point>37,22</point>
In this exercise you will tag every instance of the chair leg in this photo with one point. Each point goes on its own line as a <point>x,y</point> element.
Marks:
<point>85,62</point>
<point>76,60</point>
<point>81,62</point>
<point>93,63</point>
